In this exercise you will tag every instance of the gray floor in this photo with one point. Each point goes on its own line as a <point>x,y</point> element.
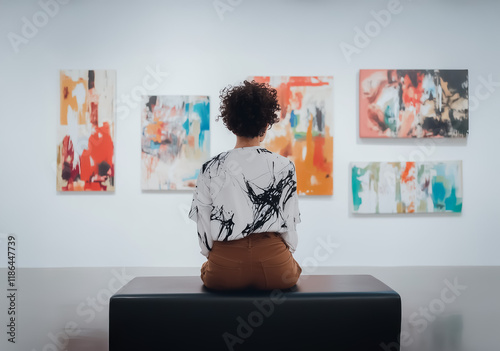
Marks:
<point>444,308</point>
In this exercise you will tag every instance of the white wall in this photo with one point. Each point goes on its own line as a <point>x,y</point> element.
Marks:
<point>203,54</point>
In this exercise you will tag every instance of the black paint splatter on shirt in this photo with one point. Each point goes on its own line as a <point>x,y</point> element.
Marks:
<point>226,222</point>
<point>216,162</point>
<point>204,240</point>
<point>266,204</point>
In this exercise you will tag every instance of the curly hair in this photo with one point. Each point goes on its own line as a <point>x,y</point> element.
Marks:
<point>248,109</point>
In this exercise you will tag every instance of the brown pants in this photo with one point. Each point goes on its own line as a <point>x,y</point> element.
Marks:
<point>259,261</point>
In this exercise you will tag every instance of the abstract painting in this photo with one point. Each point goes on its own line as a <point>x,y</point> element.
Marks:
<point>85,134</point>
<point>407,187</point>
<point>304,133</point>
<point>175,141</point>
<point>413,103</point>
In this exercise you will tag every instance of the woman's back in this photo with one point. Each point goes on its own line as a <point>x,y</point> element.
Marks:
<point>244,191</point>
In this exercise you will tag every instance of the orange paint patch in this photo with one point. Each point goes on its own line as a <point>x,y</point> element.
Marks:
<point>154,130</point>
<point>67,99</point>
<point>310,176</point>
<point>281,145</point>
<point>411,207</point>
<point>406,177</point>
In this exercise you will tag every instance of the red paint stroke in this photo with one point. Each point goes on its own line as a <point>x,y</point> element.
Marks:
<point>68,172</point>
<point>412,95</point>
<point>97,157</point>
<point>319,160</point>
<point>405,176</point>
<point>411,207</point>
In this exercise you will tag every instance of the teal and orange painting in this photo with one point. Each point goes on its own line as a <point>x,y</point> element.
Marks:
<point>175,141</point>
<point>406,187</point>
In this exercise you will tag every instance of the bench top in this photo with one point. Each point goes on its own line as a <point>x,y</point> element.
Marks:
<point>307,285</point>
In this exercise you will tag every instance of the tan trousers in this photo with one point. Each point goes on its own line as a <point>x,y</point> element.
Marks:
<point>259,261</point>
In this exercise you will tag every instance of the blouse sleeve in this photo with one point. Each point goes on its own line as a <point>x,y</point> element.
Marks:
<point>201,208</point>
<point>291,213</point>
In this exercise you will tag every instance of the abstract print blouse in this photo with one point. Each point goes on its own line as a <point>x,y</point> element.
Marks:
<point>244,191</point>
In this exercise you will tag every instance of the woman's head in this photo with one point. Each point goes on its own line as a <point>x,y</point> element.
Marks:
<point>249,109</point>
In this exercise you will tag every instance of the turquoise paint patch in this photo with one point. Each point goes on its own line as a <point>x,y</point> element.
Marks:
<point>201,139</point>
<point>154,145</point>
<point>203,110</point>
<point>299,135</point>
<point>451,203</point>
<point>303,135</point>
<point>438,193</point>
<point>390,118</point>
<point>186,126</point>
<point>294,119</point>
<point>356,186</point>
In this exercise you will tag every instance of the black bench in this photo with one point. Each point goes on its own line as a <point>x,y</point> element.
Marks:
<point>322,312</point>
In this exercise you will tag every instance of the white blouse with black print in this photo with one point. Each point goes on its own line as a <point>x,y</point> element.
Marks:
<point>244,191</point>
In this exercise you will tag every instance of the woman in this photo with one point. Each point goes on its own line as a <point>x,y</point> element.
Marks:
<point>245,203</point>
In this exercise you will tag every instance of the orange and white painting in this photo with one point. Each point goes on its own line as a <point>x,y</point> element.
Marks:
<point>175,141</point>
<point>85,134</point>
<point>304,133</point>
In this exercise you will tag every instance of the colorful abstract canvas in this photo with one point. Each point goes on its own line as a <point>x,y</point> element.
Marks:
<point>413,103</point>
<point>175,141</point>
<point>85,135</point>
<point>304,133</point>
<point>407,187</point>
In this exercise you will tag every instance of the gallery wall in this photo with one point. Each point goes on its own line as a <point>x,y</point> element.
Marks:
<point>199,47</point>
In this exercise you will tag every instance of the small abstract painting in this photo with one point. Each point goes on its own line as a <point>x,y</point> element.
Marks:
<point>304,133</point>
<point>85,134</point>
<point>175,141</point>
<point>413,103</point>
<point>407,187</point>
